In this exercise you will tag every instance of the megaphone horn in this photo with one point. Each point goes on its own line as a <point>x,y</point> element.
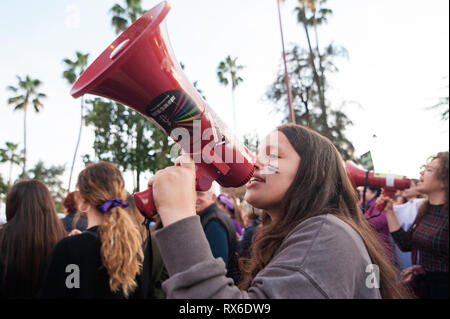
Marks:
<point>388,182</point>
<point>360,177</point>
<point>139,69</point>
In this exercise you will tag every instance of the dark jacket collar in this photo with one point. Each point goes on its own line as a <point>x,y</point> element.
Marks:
<point>211,208</point>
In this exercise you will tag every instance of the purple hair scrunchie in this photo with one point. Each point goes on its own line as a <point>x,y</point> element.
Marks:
<point>227,201</point>
<point>113,202</point>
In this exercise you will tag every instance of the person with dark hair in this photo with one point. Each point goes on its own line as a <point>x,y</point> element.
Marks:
<point>377,219</point>
<point>27,239</point>
<point>72,221</point>
<point>317,244</point>
<point>428,236</point>
<point>108,257</point>
<point>252,222</point>
<point>368,196</point>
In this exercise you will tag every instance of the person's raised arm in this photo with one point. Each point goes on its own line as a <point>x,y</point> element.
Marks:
<point>393,222</point>
<point>174,191</point>
<point>401,237</point>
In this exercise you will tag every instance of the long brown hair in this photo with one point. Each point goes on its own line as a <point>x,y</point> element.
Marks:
<point>321,186</point>
<point>442,175</point>
<point>121,241</point>
<point>137,217</point>
<point>28,238</point>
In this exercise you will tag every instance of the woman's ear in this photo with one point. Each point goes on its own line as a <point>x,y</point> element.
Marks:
<point>83,206</point>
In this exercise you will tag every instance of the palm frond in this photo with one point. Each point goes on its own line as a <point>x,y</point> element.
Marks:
<point>15,99</point>
<point>11,88</point>
<point>70,76</point>
<point>37,106</point>
<point>222,79</point>
<point>117,9</point>
<point>36,83</point>
<point>119,24</point>
<point>69,62</point>
<point>11,146</point>
<point>21,106</point>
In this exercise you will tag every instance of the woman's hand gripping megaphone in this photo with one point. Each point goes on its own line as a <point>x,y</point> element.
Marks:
<point>171,191</point>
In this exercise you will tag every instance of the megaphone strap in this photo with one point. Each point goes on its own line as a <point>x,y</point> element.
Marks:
<point>364,192</point>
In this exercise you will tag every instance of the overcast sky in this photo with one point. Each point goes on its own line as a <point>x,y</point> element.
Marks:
<point>397,67</point>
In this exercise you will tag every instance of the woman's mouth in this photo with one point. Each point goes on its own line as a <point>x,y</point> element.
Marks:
<point>255,180</point>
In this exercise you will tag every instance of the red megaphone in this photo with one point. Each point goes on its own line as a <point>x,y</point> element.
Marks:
<point>388,182</point>
<point>139,69</point>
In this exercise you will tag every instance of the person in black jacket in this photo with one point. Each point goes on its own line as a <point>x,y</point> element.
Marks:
<point>219,230</point>
<point>252,223</point>
<point>106,260</point>
<point>27,239</point>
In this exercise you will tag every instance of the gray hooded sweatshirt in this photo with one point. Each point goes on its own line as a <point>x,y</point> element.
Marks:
<point>322,257</point>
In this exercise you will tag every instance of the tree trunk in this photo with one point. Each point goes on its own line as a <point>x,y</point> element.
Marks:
<point>286,74</point>
<point>134,181</point>
<point>10,170</point>
<point>78,143</point>
<point>24,172</point>
<point>322,72</point>
<point>138,178</point>
<point>139,135</point>
<point>323,116</point>
<point>234,110</point>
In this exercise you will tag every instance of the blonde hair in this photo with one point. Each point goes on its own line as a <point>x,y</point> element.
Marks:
<point>121,240</point>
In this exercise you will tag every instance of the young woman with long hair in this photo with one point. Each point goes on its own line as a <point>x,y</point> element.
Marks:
<point>429,233</point>
<point>106,260</point>
<point>27,239</point>
<point>317,243</point>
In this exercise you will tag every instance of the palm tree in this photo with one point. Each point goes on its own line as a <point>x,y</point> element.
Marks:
<point>10,155</point>
<point>27,95</point>
<point>73,71</point>
<point>228,69</point>
<point>123,17</point>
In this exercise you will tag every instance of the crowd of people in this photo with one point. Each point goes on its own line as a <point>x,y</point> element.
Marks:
<point>300,231</point>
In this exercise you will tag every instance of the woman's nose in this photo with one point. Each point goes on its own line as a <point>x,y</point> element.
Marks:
<point>259,162</point>
<point>258,165</point>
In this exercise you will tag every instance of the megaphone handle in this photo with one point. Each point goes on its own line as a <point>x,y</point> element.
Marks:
<point>381,207</point>
<point>389,193</point>
<point>144,200</point>
<point>145,203</point>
